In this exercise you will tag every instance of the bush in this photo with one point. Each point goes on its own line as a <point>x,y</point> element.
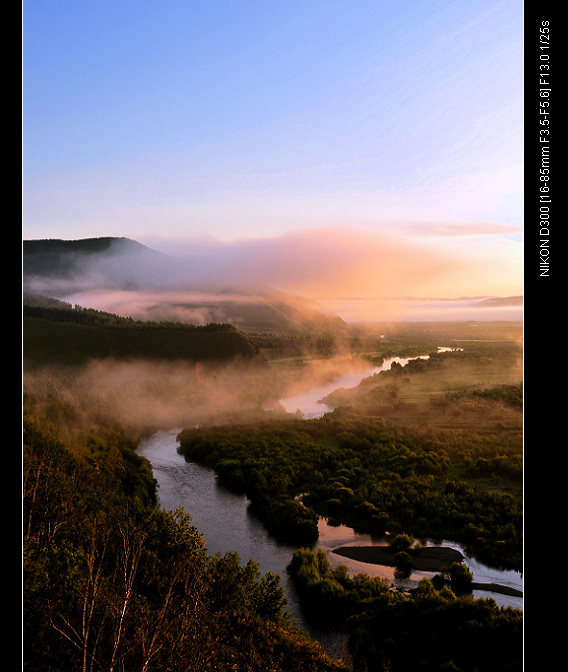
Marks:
<point>403,563</point>
<point>402,542</point>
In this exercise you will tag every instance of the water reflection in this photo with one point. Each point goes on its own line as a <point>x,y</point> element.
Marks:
<point>333,537</point>
<point>308,402</point>
<point>223,519</point>
<point>221,516</point>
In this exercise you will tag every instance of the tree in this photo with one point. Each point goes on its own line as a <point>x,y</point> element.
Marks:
<point>461,578</point>
<point>402,542</point>
<point>82,623</point>
<point>403,564</point>
<point>130,550</point>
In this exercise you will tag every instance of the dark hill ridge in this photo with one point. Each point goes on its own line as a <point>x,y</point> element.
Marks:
<point>57,333</point>
<point>59,267</point>
<point>50,342</point>
<point>63,258</point>
<point>62,268</point>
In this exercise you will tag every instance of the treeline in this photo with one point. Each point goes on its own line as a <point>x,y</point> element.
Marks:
<point>484,355</point>
<point>111,582</point>
<point>59,311</point>
<point>373,476</point>
<point>508,394</point>
<point>66,335</point>
<point>298,342</point>
<point>420,631</point>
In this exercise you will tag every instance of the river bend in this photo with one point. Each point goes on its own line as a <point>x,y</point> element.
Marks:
<point>226,525</point>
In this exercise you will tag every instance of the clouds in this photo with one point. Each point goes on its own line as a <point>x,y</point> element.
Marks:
<point>331,262</point>
<point>401,260</point>
<point>458,229</point>
<point>350,271</point>
<point>364,150</point>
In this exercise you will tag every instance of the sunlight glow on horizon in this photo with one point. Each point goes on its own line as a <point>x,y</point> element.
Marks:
<point>223,125</point>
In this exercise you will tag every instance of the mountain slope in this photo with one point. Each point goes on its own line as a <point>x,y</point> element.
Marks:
<point>57,267</point>
<point>122,276</point>
<point>56,333</point>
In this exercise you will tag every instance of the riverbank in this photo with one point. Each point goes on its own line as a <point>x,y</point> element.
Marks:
<point>495,588</point>
<point>429,559</point>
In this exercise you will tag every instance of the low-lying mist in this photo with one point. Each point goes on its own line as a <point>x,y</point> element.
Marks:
<point>142,396</point>
<point>354,274</point>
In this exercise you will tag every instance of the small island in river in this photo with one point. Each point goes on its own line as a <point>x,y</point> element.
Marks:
<point>428,559</point>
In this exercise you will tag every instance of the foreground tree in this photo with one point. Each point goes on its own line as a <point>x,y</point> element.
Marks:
<point>113,584</point>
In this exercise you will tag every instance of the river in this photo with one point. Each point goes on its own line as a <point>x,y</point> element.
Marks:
<point>308,401</point>
<point>226,525</point>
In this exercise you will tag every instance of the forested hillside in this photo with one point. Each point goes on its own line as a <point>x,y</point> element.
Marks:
<point>281,324</point>
<point>113,583</point>
<point>68,259</point>
<point>62,334</point>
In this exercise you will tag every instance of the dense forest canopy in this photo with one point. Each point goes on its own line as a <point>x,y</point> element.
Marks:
<point>112,582</point>
<point>56,332</point>
<point>371,475</point>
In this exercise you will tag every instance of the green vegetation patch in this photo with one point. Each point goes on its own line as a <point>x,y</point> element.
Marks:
<point>112,582</point>
<point>47,341</point>
<point>425,629</point>
<point>371,475</point>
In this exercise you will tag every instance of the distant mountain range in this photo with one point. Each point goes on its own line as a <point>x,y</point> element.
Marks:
<point>502,301</point>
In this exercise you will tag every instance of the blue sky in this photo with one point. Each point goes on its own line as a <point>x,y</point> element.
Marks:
<point>226,120</point>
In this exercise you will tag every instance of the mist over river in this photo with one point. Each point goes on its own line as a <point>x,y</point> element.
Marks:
<point>308,401</point>
<point>223,519</point>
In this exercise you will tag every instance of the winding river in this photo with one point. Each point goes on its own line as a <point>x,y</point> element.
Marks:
<point>226,525</point>
<point>308,402</point>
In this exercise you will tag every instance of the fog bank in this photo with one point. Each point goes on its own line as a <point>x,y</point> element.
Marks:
<point>357,275</point>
